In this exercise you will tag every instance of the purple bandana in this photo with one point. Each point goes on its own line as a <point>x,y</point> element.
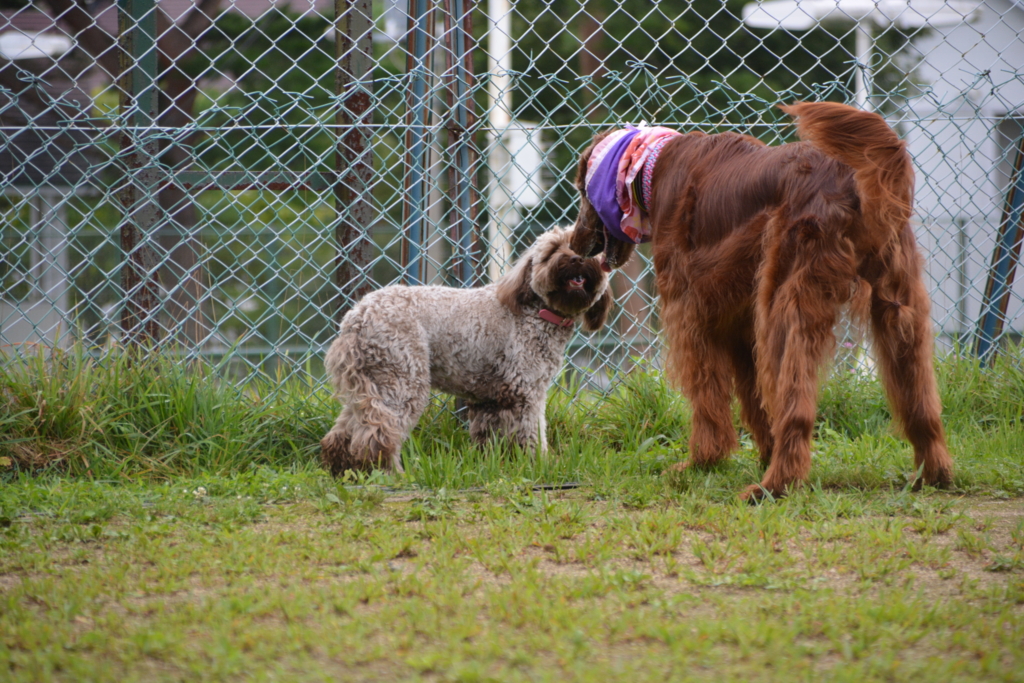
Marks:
<point>616,171</point>
<point>601,183</point>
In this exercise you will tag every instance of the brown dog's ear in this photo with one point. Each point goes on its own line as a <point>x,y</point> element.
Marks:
<point>588,233</point>
<point>581,167</point>
<point>514,290</point>
<point>617,252</point>
<point>588,227</point>
<point>597,315</point>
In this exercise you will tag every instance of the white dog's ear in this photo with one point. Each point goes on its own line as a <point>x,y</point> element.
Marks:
<point>597,315</point>
<point>514,290</point>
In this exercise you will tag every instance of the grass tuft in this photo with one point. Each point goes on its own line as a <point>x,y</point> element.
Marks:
<point>123,416</point>
<point>641,407</point>
<point>113,417</point>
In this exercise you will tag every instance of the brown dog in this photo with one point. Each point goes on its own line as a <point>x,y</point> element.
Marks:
<point>756,249</point>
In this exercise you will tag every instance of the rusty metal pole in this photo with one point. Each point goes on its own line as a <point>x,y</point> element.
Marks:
<point>354,155</point>
<point>461,124</point>
<point>139,190</point>
<point>415,225</point>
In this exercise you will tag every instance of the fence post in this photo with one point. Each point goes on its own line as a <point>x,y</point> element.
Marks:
<point>414,218</point>
<point>500,207</point>
<point>139,94</point>
<point>353,158</point>
<point>1004,262</point>
<point>458,19</point>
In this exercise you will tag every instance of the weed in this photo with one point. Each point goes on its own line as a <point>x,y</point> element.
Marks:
<point>1005,563</point>
<point>121,416</point>
<point>970,543</point>
<point>437,505</point>
<point>1017,534</point>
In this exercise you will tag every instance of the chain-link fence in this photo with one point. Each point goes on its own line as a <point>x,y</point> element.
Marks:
<point>225,177</point>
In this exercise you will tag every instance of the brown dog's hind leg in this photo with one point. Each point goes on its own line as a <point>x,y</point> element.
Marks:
<point>336,453</point>
<point>804,343</point>
<point>376,420</point>
<point>362,441</point>
<point>751,406</point>
<point>797,308</point>
<point>902,331</point>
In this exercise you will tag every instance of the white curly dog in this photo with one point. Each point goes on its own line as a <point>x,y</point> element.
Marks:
<point>498,347</point>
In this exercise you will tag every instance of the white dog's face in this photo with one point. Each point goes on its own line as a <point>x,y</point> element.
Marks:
<point>563,281</point>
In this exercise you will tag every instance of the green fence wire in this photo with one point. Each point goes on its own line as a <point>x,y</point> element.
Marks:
<point>224,178</point>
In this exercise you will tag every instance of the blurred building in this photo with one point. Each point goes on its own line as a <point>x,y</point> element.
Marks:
<point>963,130</point>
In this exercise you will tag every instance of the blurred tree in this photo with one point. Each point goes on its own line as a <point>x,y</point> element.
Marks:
<point>692,63</point>
<point>280,71</point>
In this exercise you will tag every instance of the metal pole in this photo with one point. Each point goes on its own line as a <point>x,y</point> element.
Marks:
<point>140,149</point>
<point>499,97</point>
<point>436,246</point>
<point>353,157</point>
<point>273,285</point>
<point>415,218</point>
<point>1004,263</point>
<point>458,37</point>
<point>961,279</point>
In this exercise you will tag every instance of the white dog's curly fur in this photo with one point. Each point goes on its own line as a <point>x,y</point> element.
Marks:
<point>488,346</point>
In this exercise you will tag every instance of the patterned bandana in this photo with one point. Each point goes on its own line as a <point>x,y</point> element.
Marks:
<point>614,165</point>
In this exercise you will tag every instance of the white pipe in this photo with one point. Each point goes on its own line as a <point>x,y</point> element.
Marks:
<point>502,213</point>
<point>48,265</point>
<point>862,77</point>
<point>863,359</point>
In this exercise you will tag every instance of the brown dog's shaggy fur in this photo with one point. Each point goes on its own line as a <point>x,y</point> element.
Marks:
<point>756,249</point>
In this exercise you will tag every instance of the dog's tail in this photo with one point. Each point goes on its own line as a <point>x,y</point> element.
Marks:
<point>865,142</point>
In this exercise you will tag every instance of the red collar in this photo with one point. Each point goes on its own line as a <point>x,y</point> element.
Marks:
<point>554,318</point>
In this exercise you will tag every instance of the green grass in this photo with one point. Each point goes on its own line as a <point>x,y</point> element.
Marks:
<point>158,524</point>
<point>151,417</point>
<point>275,576</point>
<point>155,420</point>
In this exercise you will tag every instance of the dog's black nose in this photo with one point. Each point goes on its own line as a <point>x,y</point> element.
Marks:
<point>575,259</point>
